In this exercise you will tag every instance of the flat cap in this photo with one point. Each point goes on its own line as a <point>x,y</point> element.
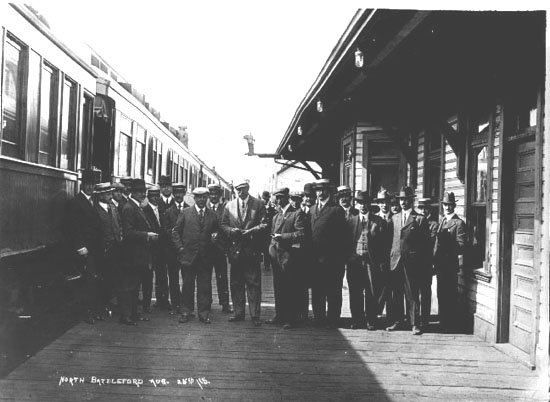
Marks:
<point>200,191</point>
<point>101,188</point>
<point>242,183</point>
<point>214,187</point>
<point>281,191</point>
<point>179,187</point>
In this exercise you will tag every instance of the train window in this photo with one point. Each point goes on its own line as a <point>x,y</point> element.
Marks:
<point>12,98</point>
<point>151,156</point>
<point>68,125</point>
<point>125,145</point>
<point>140,152</point>
<point>169,163</point>
<point>48,108</point>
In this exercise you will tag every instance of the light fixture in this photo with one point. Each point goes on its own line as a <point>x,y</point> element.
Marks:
<point>300,130</point>
<point>320,106</point>
<point>359,58</point>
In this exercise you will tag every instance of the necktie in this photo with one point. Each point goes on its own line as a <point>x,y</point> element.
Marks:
<point>243,210</point>
<point>201,215</point>
<point>363,220</point>
<point>404,218</point>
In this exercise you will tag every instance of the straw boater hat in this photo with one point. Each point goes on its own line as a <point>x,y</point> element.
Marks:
<point>425,202</point>
<point>200,191</point>
<point>118,186</point>
<point>214,187</point>
<point>103,188</point>
<point>342,190</point>
<point>153,190</point>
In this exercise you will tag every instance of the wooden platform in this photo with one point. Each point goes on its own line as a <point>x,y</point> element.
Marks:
<point>163,360</point>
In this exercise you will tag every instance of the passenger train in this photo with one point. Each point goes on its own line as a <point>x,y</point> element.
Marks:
<point>62,112</point>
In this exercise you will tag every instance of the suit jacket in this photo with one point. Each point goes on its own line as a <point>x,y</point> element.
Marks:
<point>135,227</point>
<point>110,223</point>
<point>192,238</point>
<point>221,241</point>
<point>374,227</point>
<point>328,232</point>
<point>410,244</point>
<point>290,225</point>
<point>164,206</point>
<point>255,221</point>
<point>83,225</point>
<point>449,243</point>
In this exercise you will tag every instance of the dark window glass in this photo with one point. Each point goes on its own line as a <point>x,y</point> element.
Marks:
<point>68,125</point>
<point>48,91</point>
<point>12,96</point>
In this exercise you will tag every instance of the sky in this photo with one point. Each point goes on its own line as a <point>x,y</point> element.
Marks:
<point>224,69</point>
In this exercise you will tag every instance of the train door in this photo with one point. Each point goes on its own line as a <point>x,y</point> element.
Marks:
<point>103,136</point>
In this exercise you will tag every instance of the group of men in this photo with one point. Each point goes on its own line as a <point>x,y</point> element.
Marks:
<point>123,234</point>
<point>387,251</point>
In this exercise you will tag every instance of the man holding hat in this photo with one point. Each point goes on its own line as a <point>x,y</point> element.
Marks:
<point>409,252</point>
<point>109,266</point>
<point>244,222</point>
<point>138,235</point>
<point>153,212</point>
<point>192,236</point>
<point>218,254</point>
<point>450,242</point>
<point>168,221</point>
<point>287,230</point>
<point>364,264</point>
<point>328,242</point>
<point>84,235</point>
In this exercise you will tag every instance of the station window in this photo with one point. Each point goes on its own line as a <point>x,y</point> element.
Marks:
<point>68,125</point>
<point>477,219</point>
<point>48,112</point>
<point>12,97</point>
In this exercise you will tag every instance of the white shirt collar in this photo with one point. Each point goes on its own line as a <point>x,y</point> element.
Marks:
<point>135,201</point>
<point>245,200</point>
<point>88,197</point>
<point>104,205</point>
<point>283,210</point>
<point>449,216</point>
<point>167,200</point>
<point>199,209</point>
<point>115,202</point>
<point>155,207</point>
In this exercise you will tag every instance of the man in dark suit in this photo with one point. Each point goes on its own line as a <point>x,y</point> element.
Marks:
<point>153,213</point>
<point>364,264</point>
<point>328,239</point>
<point>167,198</point>
<point>168,221</point>
<point>244,222</point>
<point>450,242</point>
<point>218,253</point>
<point>192,236</point>
<point>382,200</point>
<point>409,252</point>
<point>84,235</point>
<point>138,235</point>
<point>287,230</point>
<point>109,265</point>
<point>271,210</point>
<point>118,199</point>
<point>305,256</point>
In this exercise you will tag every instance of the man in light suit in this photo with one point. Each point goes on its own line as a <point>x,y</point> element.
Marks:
<point>218,257</point>
<point>409,252</point>
<point>192,236</point>
<point>287,230</point>
<point>328,239</point>
<point>137,234</point>
<point>450,242</point>
<point>244,222</point>
<point>364,264</point>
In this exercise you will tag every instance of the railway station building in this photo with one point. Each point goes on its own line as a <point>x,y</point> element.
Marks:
<point>449,101</point>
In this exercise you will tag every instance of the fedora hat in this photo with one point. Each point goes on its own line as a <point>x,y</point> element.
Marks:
<point>448,198</point>
<point>101,188</point>
<point>382,196</point>
<point>309,189</point>
<point>405,192</point>
<point>138,185</point>
<point>362,197</point>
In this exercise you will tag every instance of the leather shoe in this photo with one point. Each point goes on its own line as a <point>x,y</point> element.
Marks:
<point>356,325</point>
<point>273,320</point>
<point>205,320</point>
<point>416,331</point>
<point>236,318</point>
<point>287,325</point>
<point>394,327</point>
<point>127,321</point>
<point>226,309</point>
<point>370,326</point>
<point>256,322</point>
<point>184,318</point>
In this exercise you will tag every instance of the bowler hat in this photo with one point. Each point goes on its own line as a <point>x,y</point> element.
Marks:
<point>179,187</point>
<point>448,198</point>
<point>383,195</point>
<point>92,176</point>
<point>126,180</point>
<point>281,191</point>
<point>362,197</point>
<point>425,202</point>
<point>322,183</point>
<point>138,185</point>
<point>309,189</point>
<point>165,180</point>
<point>265,194</point>
<point>406,192</point>
<point>341,190</point>
<point>242,183</point>
<point>200,191</point>
<point>101,188</point>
